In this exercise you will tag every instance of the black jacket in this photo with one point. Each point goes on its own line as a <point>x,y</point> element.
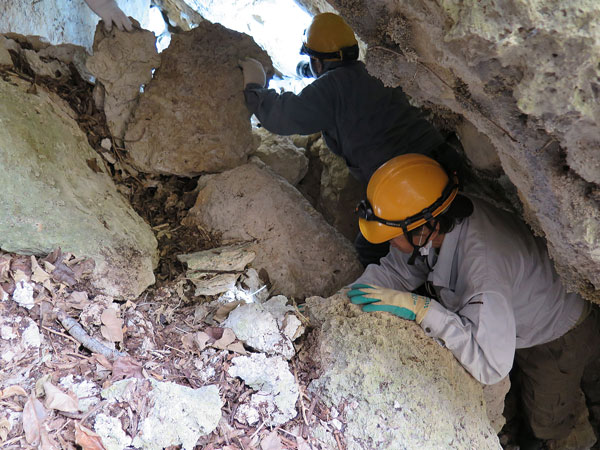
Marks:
<point>362,120</point>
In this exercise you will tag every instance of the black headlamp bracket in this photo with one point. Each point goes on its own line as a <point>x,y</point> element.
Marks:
<point>343,54</point>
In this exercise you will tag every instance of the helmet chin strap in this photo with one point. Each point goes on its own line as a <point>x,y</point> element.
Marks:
<point>417,247</point>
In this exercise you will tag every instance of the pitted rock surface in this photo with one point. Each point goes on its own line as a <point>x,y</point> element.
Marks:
<point>192,116</point>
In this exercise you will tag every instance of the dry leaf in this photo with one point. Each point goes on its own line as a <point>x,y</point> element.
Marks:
<point>112,330</point>
<point>12,390</point>
<point>237,347</point>
<point>47,442</point>
<point>87,439</point>
<point>57,399</point>
<point>77,299</point>
<point>4,267</point>
<point>4,429</point>
<point>224,311</point>
<point>126,367</point>
<point>33,417</point>
<point>215,333</point>
<point>39,275</point>
<point>201,339</point>
<point>271,442</point>
<point>102,361</point>
<point>227,338</point>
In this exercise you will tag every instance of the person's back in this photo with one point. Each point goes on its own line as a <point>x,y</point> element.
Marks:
<point>362,121</point>
<point>498,253</point>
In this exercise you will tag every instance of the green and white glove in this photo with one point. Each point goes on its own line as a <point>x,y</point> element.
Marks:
<point>253,71</point>
<point>402,304</point>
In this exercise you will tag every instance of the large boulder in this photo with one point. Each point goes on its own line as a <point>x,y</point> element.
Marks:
<point>55,193</point>
<point>474,59</point>
<point>192,117</point>
<point>396,387</point>
<point>302,254</point>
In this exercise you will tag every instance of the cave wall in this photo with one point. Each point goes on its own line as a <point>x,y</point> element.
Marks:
<point>523,74</point>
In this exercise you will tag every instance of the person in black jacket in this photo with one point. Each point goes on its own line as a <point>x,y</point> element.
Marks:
<point>361,120</point>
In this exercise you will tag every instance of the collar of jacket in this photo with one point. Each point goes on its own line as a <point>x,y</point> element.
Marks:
<point>444,273</point>
<point>330,65</point>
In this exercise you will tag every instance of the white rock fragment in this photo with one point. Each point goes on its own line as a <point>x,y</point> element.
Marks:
<point>111,431</point>
<point>335,423</point>
<point>277,389</point>
<point>7,332</point>
<point>31,336</point>
<point>179,416</point>
<point>254,325</point>
<point>106,144</point>
<point>23,294</point>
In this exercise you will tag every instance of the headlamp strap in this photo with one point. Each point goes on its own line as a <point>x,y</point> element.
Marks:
<point>343,54</point>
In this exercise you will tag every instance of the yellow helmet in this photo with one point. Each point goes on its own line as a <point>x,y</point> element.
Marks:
<point>330,38</point>
<point>403,194</point>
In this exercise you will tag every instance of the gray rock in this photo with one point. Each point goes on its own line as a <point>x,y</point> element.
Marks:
<point>123,63</point>
<point>281,155</point>
<point>192,117</point>
<point>51,197</point>
<point>302,254</point>
<point>398,387</point>
<point>179,416</point>
<point>260,327</point>
<point>277,388</point>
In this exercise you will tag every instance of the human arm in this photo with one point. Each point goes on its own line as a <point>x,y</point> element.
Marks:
<point>309,112</point>
<point>110,13</point>
<point>481,334</point>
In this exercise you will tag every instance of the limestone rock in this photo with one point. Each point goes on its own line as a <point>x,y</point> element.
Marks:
<point>57,21</point>
<point>5,59</point>
<point>51,197</point>
<point>216,270</point>
<point>123,62</point>
<point>400,388</point>
<point>302,254</point>
<point>277,389</point>
<point>260,326</point>
<point>192,117</point>
<point>281,155</point>
<point>339,194</point>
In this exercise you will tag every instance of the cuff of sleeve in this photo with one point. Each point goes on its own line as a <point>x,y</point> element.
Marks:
<point>252,86</point>
<point>434,319</point>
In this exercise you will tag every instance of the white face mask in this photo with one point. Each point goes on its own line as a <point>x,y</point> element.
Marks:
<point>424,251</point>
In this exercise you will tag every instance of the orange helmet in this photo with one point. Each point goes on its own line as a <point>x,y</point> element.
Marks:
<point>403,194</point>
<point>330,38</point>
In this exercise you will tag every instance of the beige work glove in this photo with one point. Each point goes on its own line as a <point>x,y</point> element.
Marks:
<point>253,72</point>
<point>402,304</point>
<point>110,13</point>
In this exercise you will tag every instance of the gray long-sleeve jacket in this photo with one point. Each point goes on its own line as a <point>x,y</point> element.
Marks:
<point>497,290</point>
<point>362,120</point>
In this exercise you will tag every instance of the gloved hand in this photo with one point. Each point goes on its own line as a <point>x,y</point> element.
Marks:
<point>403,304</point>
<point>253,71</point>
<point>110,12</point>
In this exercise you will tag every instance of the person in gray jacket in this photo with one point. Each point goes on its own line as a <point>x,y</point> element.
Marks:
<point>494,295</point>
<point>361,120</point>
